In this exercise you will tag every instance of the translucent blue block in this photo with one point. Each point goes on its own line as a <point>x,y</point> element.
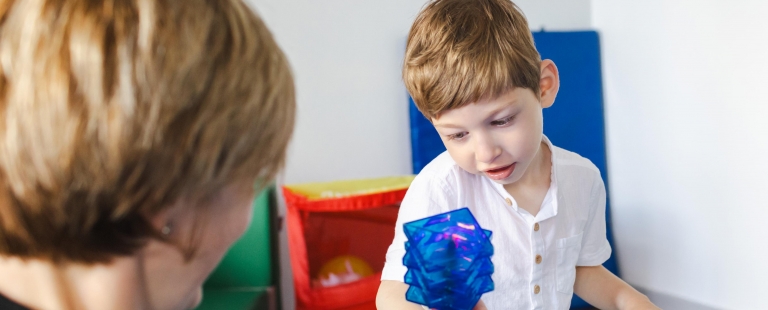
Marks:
<point>477,285</point>
<point>416,295</point>
<point>448,280</point>
<point>443,238</point>
<point>448,260</point>
<point>480,267</point>
<point>449,298</point>
<point>442,302</point>
<point>415,260</point>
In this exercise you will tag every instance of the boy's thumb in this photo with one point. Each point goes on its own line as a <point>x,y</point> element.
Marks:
<point>480,306</point>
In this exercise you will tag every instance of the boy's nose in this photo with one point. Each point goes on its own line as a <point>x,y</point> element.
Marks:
<point>486,150</point>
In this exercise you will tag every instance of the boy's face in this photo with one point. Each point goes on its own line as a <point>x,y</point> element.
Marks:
<point>497,137</point>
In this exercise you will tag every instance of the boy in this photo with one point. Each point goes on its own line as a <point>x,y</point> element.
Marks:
<point>473,70</point>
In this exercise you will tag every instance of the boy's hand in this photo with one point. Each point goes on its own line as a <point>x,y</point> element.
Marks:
<point>641,305</point>
<point>604,290</point>
<point>480,306</point>
<point>391,295</point>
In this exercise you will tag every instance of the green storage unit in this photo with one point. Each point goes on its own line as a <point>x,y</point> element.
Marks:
<point>247,276</point>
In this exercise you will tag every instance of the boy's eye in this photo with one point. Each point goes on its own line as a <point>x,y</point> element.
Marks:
<point>458,136</point>
<point>503,121</point>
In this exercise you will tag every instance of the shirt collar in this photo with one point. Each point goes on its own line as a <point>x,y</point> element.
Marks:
<point>550,203</point>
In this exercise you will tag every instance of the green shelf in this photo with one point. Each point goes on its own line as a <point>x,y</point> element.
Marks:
<point>245,275</point>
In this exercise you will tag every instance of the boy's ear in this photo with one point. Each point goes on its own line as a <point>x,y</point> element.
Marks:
<point>549,83</point>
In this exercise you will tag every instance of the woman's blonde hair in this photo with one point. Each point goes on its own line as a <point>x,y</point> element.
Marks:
<point>112,110</point>
<point>461,51</point>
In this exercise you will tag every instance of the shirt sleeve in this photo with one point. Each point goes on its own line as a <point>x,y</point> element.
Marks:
<point>426,196</point>
<point>595,248</point>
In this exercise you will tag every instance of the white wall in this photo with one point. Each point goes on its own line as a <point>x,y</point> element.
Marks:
<point>557,14</point>
<point>352,118</point>
<point>686,107</point>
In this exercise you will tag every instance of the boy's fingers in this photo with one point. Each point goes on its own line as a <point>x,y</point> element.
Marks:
<point>480,306</point>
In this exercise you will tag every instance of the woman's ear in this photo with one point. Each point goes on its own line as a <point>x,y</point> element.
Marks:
<point>172,220</point>
<point>549,83</point>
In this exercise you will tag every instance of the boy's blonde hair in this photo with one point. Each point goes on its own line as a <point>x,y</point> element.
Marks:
<point>462,51</point>
<point>112,110</point>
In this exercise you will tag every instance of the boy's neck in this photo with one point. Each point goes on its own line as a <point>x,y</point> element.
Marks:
<point>530,190</point>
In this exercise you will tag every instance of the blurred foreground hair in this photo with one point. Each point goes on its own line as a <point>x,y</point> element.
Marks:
<point>112,110</point>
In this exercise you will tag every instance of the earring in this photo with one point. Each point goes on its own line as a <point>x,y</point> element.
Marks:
<point>166,230</point>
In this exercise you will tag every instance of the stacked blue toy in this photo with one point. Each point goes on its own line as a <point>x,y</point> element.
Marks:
<point>449,261</point>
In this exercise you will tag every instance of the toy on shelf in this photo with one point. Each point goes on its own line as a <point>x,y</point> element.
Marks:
<point>341,218</point>
<point>343,269</point>
<point>449,261</point>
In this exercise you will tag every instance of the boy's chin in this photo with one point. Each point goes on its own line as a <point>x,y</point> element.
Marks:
<point>502,182</point>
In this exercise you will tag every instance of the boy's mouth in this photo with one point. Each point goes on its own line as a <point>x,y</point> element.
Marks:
<point>500,173</point>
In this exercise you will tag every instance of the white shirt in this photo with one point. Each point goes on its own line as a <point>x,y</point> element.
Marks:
<point>571,228</point>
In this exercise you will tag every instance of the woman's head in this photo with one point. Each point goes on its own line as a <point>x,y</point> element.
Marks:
<point>118,114</point>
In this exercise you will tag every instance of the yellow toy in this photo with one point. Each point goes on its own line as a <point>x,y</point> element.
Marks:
<point>343,269</point>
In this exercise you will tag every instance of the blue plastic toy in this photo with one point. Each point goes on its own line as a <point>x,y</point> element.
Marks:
<point>449,261</point>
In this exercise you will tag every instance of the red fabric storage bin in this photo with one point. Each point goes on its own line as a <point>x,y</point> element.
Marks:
<point>326,220</point>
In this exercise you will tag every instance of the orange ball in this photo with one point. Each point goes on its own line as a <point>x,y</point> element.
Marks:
<point>346,268</point>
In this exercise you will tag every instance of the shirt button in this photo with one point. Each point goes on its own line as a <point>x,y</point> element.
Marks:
<point>509,201</point>
<point>536,289</point>
<point>538,259</point>
<point>536,227</point>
